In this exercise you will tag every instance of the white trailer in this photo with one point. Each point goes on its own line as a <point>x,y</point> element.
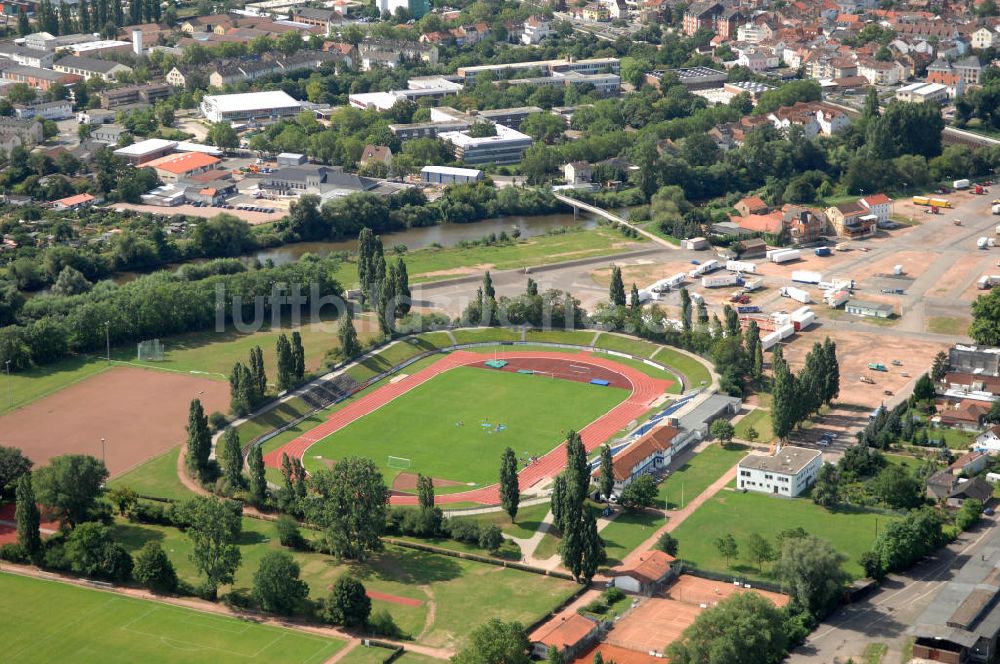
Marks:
<point>786,255</point>
<point>961,184</point>
<point>785,331</point>
<point>720,280</point>
<point>981,243</point>
<point>836,298</point>
<point>803,319</point>
<point>645,296</point>
<point>697,298</point>
<point>796,294</point>
<point>807,276</point>
<point>751,285</point>
<point>768,341</point>
<point>675,280</point>
<point>741,266</point>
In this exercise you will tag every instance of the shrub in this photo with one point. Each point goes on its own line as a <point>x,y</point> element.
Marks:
<point>150,512</point>
<point>289,534</point>
<point>667,544</point>
<point>464,530</point>
<point>612,595</point>
<point>218,421</point>
<point>347,604</point>
<point>490,537</point>
<point>382,624</point>
<point>14,553</point>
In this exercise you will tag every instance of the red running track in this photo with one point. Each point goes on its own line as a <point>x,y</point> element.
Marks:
<point>645,390</point>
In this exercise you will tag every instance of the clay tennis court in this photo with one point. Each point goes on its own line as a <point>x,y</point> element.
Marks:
<point>645,390</point>
<point>658,622</point>
<point>139,412</point>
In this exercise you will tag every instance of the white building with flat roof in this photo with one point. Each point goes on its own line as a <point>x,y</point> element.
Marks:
<point>505,148</point>
<point>147,150</point>
<point>450,175</point>
<point>249,107</point>
<point>919,93</point>
<point>788,472</point>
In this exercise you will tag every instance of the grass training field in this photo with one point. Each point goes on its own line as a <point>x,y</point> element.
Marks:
<point>760,420</point>
<point>47,621</point>
<point>157,478</point>
<point>850,532</point>
<point>423,424</point>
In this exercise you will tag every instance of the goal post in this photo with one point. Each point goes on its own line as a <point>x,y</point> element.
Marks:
<point>150,350</point>
<point>398,463</point>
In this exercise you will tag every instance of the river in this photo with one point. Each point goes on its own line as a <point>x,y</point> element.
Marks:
<point>446,235</point>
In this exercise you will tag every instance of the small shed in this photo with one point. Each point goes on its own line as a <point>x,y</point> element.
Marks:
<point>291,159</point>
<point>695,244</point>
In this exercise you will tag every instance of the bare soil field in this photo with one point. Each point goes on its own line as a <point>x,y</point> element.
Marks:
<point>140,413</point>
<point>961,269</point>
<point>855,350</point>
<point>641,275</point>
<point>914,264</point>
<point>248,216</point>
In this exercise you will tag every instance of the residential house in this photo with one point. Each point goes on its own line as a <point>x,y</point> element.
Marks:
<point>134,94</point>
<point>30,57</point>
<point>879,72</point>
<point>376,154</point>
<point>879,205</point>
<point>650,452</point>
<point>805,225</point>
<point>648,575</point>
<point>108,133</point>
<point>388,52</point>
<point>703,15</point>
<point>74,202</point>
<point>970,358</point>
<point>595,12</point>
<point>536,29</point>
<point>989,440</point>
<point>852,220</point>
<point>577,172</point>
<point>814,118</point>
<point>983,38</point>
<point>969,69</point>
<point>40,79</point>
<point>61,109</point>
<point>970,463</point>
<point>966,414</point>
<point>752,59</point>
<point>788,472</point>
<point>751,205</point>
<point>571,636</point>
<point>88,68</point>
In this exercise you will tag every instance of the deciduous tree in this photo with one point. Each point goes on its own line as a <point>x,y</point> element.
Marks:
<point>199,439</point>
<point>153,568</point>
<point>276,583</point>
<point>607,472</point>
<point>811,571</point>
<point>232,458</point>
<point>70,485</point>
<point>744,628</point>
<point>27,517</point>
<point>510,491</point>
<point>495,642</point>
<point>258,481</point>
<point>348,604</point>
<point>215,526</point>
<point>350,506</point>
<point>616,291</point>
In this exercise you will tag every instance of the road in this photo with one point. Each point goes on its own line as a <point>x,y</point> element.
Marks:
<point>885,615</point>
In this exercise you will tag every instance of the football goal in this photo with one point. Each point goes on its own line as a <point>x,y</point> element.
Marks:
<point>150,350</point>
<point>399,463</point>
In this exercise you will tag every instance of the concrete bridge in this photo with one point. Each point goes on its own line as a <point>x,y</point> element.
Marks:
<point>593,209</point>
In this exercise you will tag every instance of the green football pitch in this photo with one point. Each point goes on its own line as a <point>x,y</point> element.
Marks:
<point>456,425</point>
<point>48,621</point>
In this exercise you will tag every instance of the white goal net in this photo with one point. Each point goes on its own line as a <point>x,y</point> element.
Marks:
<point>398,462</point>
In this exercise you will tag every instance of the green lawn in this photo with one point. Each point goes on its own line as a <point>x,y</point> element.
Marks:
<point>214,354</point>
<point>951,325</point>
<point>21,388</point>
<point>47,621</point>
<point>577,337</point>
<point>698,474</point>
<point>636,347</point>
<point>627,531</point>
<point>436,339</point>
<point>280,415</point>
<point>955,439</point>
<point>740,514</point>
<point>433,264</point>
<point>156,478</point>
<point>422,425</point>
<point>693,370</point>
<point>388,357</point>
<point>484,334</point>
<point>465,593</point>
<point>759,420</point>
<point>527,522</point>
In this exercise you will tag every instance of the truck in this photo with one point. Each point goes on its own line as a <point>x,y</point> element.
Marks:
<point>786,255</point>
<point>981,243</point>
<point>807,276</point>
<point>843,246</point>
<point>877,366</point>
<point>961,184</point>
<point>921,200</point>
<point>988,281</point>
<point>741,266</point>
<point>720,280</point>
<point>822,251</point>
<point>803,320</point>
<point>748,309</point>
<point>980,190</point>
<point>940,203</point>
<point>796,294</point>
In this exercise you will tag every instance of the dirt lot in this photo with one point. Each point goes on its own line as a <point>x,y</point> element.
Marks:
<point>855,350</point>
<point>659,621</point>
<point>914,263</point>
<point>140,413</point>
<point>252,218</point>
